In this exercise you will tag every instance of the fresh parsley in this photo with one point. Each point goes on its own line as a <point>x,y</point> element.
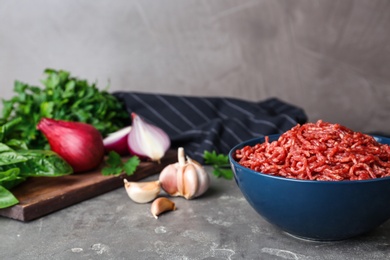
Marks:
<point>62,97</point>
<point>220,164</point>
<point>116,166</point>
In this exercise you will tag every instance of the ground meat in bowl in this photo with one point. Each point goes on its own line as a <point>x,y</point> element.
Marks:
<point>319,151</point>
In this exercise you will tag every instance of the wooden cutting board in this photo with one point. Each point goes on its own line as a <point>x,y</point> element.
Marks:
<point>43,195</point>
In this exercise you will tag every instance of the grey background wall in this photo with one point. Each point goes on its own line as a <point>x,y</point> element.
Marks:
<point>332,58</point>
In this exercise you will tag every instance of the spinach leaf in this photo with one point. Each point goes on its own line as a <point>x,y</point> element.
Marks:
<point>16,144</point>
<point>44,163</point>
<point>35,163</point>
<point>11,157</point>
<point>7,199</point>
<point>10,178</point>
<point>17,164</point>
<point>4,148</point>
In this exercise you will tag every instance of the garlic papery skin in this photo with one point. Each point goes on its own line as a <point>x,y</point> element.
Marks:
<point>202,177</point>
<point>187,181</point>
<point>186,178</point>
<point>142,192</point>
<point>161,205</point>
<point>168,179</point>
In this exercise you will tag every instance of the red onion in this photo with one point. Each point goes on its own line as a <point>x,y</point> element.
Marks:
<point>147,140</point>
<point>80,144</point>
<point>117,141</point>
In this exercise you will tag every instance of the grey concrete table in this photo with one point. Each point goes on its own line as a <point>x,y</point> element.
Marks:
<point>219,225</point>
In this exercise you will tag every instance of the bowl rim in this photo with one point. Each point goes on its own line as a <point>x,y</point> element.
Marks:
<point>343,182</point>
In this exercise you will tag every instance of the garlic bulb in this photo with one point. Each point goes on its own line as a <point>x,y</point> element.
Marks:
<point>142,192</point>
<point>186,178</point>
<point>161,205</point>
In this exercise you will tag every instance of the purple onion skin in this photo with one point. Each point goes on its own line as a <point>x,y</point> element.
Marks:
<point>80,144</point>
<point>117,142</point>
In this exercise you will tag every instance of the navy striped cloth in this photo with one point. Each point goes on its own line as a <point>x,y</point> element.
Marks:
<point>212,123</point>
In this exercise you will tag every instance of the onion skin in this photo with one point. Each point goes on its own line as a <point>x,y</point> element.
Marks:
<point>80,144</point>
<point>146,140</point>
<point>117,141</point>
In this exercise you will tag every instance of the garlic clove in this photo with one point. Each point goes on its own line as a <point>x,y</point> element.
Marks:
<point>203,177</point>
<point>161,205</point>
<point>187,181</point>
<point>142,192</point>
<point>168,180</point>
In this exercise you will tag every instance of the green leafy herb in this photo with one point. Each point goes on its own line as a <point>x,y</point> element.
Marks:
<point>62,97</point>
<point>42,163</point>
<point>27,163</point>
<point>17,163</point>
<point>116,166</point>
<point>220,164</point>
<point>131,165</point>
<point>7,199</point>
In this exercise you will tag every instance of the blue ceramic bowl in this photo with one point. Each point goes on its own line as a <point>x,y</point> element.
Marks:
<point>315,210</point>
